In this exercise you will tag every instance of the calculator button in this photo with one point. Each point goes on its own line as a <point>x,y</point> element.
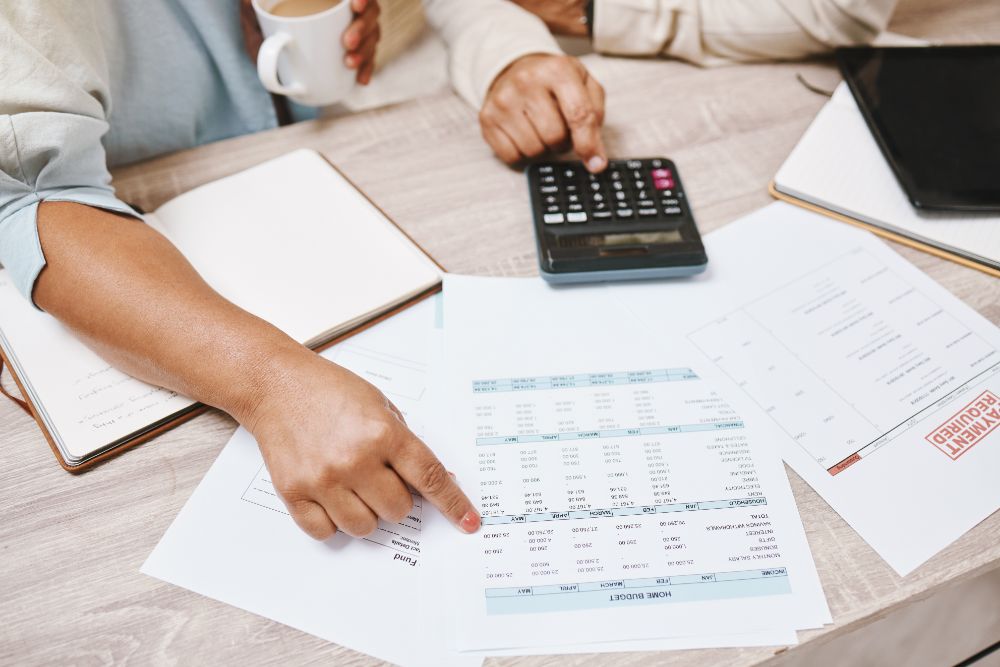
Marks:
<point>622,213</point>
<point>656,164</point>
<point>672,210</point>
<point>671,202</point>
<point>571,188</point>
<point>603,214</point>
<point>597,197</point>
<point>551,199</point>
<point>647,213</point>
<point>646,203</point>
<point>548,180</point>
<point>634,164</point>
<point>639,185</point>
<point>575,207</point>
<point>577,217</point>
<point>662,173</point>
<point>595,186</point>
<point>547,169</point>
<point>555,208</point>
<point>615,175</point>
<point>620,196</point>
<point>573,199</point>
<point>569,173</point>
<point>550,190</point>
<point>617,185</point>
<point>663,184</point>
<point>553,218</point>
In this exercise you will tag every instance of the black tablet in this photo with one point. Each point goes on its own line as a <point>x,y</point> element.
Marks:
<point>935,112</point>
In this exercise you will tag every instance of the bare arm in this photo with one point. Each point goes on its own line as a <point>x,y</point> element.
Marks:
<point>337,450</point>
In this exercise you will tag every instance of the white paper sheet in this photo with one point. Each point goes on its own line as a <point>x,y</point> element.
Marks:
<point>234,541</point>
<point>626,493</point>
<point>862,360</point>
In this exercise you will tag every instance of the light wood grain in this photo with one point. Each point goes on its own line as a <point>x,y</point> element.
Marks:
<point>71,546</point>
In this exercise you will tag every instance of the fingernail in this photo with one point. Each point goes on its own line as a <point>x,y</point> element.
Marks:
<point>470,522</point>
<point>596,163</point>
<point>452,475</point>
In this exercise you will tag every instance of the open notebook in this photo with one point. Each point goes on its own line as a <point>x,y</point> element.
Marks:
<point>290,240</point>
<point>837,168</point>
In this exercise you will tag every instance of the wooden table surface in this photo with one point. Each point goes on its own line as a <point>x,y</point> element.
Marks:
<point>71,546</point>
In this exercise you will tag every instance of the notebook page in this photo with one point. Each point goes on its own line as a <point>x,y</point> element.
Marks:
<point>292,241</point>
<point>838,165</point>
<point>85,403</point>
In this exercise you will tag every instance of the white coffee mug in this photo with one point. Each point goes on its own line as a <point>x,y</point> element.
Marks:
<point>302,57</point>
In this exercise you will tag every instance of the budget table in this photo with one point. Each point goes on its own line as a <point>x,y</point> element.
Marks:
<point>70,587</point>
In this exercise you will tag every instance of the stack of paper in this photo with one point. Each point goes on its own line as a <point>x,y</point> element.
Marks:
<point>235,542</point>
<point>623,445</point>
<point>629,490</point>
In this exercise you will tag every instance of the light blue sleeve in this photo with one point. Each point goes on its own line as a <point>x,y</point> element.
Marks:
<point>49,159</point>
<point>21,251</point>
<point>54,105</point>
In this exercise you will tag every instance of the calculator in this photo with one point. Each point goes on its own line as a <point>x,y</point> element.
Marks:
<point>631,221</point>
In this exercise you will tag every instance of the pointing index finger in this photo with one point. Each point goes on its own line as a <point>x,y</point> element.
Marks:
<point>418,466</point>
<point>583,120</point>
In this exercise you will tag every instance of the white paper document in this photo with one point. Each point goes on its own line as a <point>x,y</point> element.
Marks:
<point>884,385</point>
<point>627,492</point>
<point>235,542</point>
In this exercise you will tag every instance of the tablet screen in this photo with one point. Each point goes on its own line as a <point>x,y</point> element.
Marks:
<point>935,112</point>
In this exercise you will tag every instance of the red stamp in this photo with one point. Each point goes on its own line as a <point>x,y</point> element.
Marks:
<point>970,425</point>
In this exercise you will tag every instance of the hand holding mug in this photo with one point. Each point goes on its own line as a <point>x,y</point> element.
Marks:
<point>361,38</point>
<point>315,50</point>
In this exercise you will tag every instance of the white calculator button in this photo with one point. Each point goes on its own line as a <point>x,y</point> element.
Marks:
<point>555,218</point>
<point>577,217</point>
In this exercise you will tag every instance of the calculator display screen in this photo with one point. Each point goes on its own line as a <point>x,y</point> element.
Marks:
<point>627,239</point>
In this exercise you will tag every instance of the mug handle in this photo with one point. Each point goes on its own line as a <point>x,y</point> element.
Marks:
<point>267,65</point>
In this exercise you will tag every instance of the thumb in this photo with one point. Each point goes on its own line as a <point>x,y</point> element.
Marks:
<point>419,468</point>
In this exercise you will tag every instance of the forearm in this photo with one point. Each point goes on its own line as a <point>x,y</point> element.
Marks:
<point>127,292</point>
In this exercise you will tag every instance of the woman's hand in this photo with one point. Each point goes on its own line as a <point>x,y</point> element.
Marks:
<point>340,454</point>
<point>361,38</point>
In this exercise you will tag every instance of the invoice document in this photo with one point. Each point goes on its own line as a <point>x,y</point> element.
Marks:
<point>884,385</point>
<point>235,542</point>
<point>626,491</point>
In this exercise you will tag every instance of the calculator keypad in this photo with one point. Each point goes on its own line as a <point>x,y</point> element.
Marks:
<point>636,192</point>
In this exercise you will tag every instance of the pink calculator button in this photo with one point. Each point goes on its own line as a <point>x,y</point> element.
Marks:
<point>661,173</point>
<point>663,184</point>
